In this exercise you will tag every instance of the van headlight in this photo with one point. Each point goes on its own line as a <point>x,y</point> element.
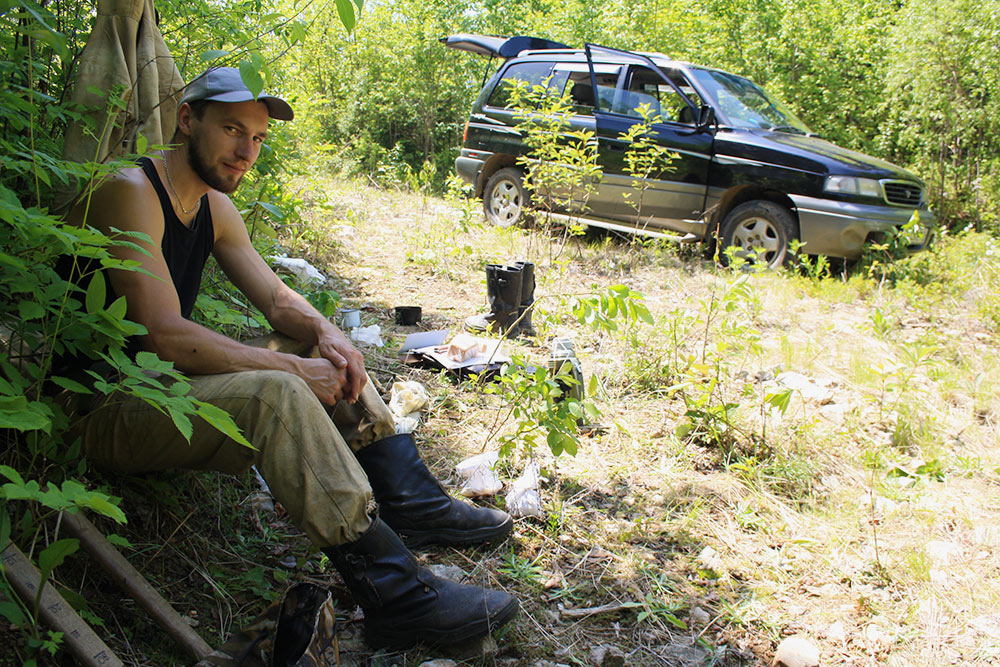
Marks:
<point>852,185</point>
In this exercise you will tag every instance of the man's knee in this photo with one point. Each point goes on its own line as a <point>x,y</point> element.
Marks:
<point>276,387</point>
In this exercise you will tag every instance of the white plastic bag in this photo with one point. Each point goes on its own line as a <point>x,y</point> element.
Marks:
<point>406,397</point>
<point>478,475</point>
<point>301,269</point>
<point>406,424</point>
<point>406,401</point>
<point>368,335</point>
<point>523,498</point>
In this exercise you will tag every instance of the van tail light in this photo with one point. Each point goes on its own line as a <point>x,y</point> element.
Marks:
<point>465,132</point>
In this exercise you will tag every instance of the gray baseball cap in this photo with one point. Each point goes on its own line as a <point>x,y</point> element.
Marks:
<point>224,84</point>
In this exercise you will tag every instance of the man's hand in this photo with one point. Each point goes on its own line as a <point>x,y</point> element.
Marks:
<point>326,380</point>
<point>339,351</point>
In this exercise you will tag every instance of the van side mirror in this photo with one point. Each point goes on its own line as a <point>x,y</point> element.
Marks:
<point>706,117</point>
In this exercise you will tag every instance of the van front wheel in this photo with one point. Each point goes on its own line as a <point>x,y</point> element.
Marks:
<point>759,232</point>
<point>505,200</point>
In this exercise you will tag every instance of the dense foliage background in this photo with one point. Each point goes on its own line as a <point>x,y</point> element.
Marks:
<point>915,82</point>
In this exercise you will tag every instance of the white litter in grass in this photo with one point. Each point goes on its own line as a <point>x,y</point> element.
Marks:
<point>300,268</point>
<point>478,475</point>
<point>368,335</point>
<point>523,499</point>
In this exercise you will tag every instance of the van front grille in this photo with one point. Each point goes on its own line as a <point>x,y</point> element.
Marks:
<point>902,193</point>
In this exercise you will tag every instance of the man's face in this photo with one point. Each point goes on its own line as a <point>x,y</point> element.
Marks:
<point>225,142</point>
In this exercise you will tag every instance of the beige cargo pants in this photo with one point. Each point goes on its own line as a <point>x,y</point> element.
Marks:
<point>304,451</point>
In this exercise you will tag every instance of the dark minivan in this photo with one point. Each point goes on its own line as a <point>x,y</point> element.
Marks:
<point>743,165</point>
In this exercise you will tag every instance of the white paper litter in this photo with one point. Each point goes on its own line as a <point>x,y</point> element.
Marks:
<point>406,401</point>
<point>523,499</point>
<point>406,397</point>
<point>478,475</point>
<point>368,335</point>
<point>300,268</point>
<point>406,424</point>
<point>810,388</point>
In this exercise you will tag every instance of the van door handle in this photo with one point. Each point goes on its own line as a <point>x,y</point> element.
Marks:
<point>616,148</point>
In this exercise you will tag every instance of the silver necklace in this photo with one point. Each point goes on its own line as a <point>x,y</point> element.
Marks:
<point>166,170</point>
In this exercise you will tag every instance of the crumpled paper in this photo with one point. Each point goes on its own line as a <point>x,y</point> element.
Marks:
<point>478,475</point>
<point>368,335</point>
<point>300,268</point>
<point>406,400</point>
<point>523,498</point>
<point>406,397</point>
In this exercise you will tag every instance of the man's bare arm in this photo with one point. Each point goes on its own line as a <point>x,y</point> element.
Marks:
<point>285,309</point>
<point>129,203</point>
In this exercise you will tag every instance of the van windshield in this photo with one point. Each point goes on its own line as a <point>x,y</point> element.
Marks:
<point>740,103</point>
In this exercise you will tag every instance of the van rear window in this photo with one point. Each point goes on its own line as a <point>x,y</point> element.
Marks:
<point>531,73</point>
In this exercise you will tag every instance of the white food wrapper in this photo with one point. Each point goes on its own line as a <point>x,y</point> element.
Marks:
<point>406,397</point>
<point>368,335</point>
<point>300,268</point>
<point>523,498</point>
<point>478,475</point>
<point>406,424</point>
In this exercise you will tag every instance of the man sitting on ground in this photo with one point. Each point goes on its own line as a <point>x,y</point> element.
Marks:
<point>322,467</point>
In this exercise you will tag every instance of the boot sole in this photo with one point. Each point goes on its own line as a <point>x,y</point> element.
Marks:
<point>395,640</point>
<point>453,537</point>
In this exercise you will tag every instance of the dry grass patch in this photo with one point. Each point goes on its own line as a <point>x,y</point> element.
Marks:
<point>861,517</point>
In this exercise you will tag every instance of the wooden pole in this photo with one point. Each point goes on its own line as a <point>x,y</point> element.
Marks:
<point>55,612</point>
<point>133,583</point>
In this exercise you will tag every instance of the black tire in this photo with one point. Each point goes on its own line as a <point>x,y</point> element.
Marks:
<point>759,224</point>
<point>505,200</point>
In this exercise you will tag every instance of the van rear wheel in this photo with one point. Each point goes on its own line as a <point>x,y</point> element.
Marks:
<point>505,200</point>
<point>760,232</point>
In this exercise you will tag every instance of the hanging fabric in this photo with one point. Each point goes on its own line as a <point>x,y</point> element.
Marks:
<point>125,50</point>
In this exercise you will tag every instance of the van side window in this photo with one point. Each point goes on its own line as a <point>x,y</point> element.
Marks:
<point>579,88</point>
<point>531,73</point>
<point>647,87</point>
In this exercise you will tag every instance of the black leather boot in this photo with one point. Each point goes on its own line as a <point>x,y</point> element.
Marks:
<point>406,603</point>
<point>524,326</point>
<point>503,289</point>
<point>414,503</point>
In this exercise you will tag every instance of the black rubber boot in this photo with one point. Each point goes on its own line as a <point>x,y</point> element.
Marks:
<point>503,289</point>
<point>405,603</point>
<point>414,503</point>
<point>524,326</point>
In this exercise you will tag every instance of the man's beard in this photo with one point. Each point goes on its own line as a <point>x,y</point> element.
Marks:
<point>200,166</point>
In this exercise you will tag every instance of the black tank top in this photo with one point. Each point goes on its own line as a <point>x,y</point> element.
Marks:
<point>185,249</point>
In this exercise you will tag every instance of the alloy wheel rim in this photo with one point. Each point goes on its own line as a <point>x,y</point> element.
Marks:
<point>505,202</point>
<point>754,233</point>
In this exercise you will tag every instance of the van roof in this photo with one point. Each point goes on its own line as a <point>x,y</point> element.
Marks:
<point>522,46</point>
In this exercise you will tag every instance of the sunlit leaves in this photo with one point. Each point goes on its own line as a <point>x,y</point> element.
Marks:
<point>345,10</point>
<point>250,73</point>
<point>604,310</point>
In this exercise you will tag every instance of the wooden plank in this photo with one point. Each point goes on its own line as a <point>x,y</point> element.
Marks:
<point>55,612</point>
<point>135,585</point>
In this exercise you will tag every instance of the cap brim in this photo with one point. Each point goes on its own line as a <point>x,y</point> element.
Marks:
<point>277,108</point>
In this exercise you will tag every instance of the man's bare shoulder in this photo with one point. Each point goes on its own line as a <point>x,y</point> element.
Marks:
<point>126,201</point>
<point>226,217</point>
<point>222,204</point>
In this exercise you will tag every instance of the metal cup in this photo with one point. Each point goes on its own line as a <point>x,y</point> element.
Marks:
<point>350,318</point>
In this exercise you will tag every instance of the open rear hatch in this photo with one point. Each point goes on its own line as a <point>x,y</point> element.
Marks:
<point>499,47</point>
